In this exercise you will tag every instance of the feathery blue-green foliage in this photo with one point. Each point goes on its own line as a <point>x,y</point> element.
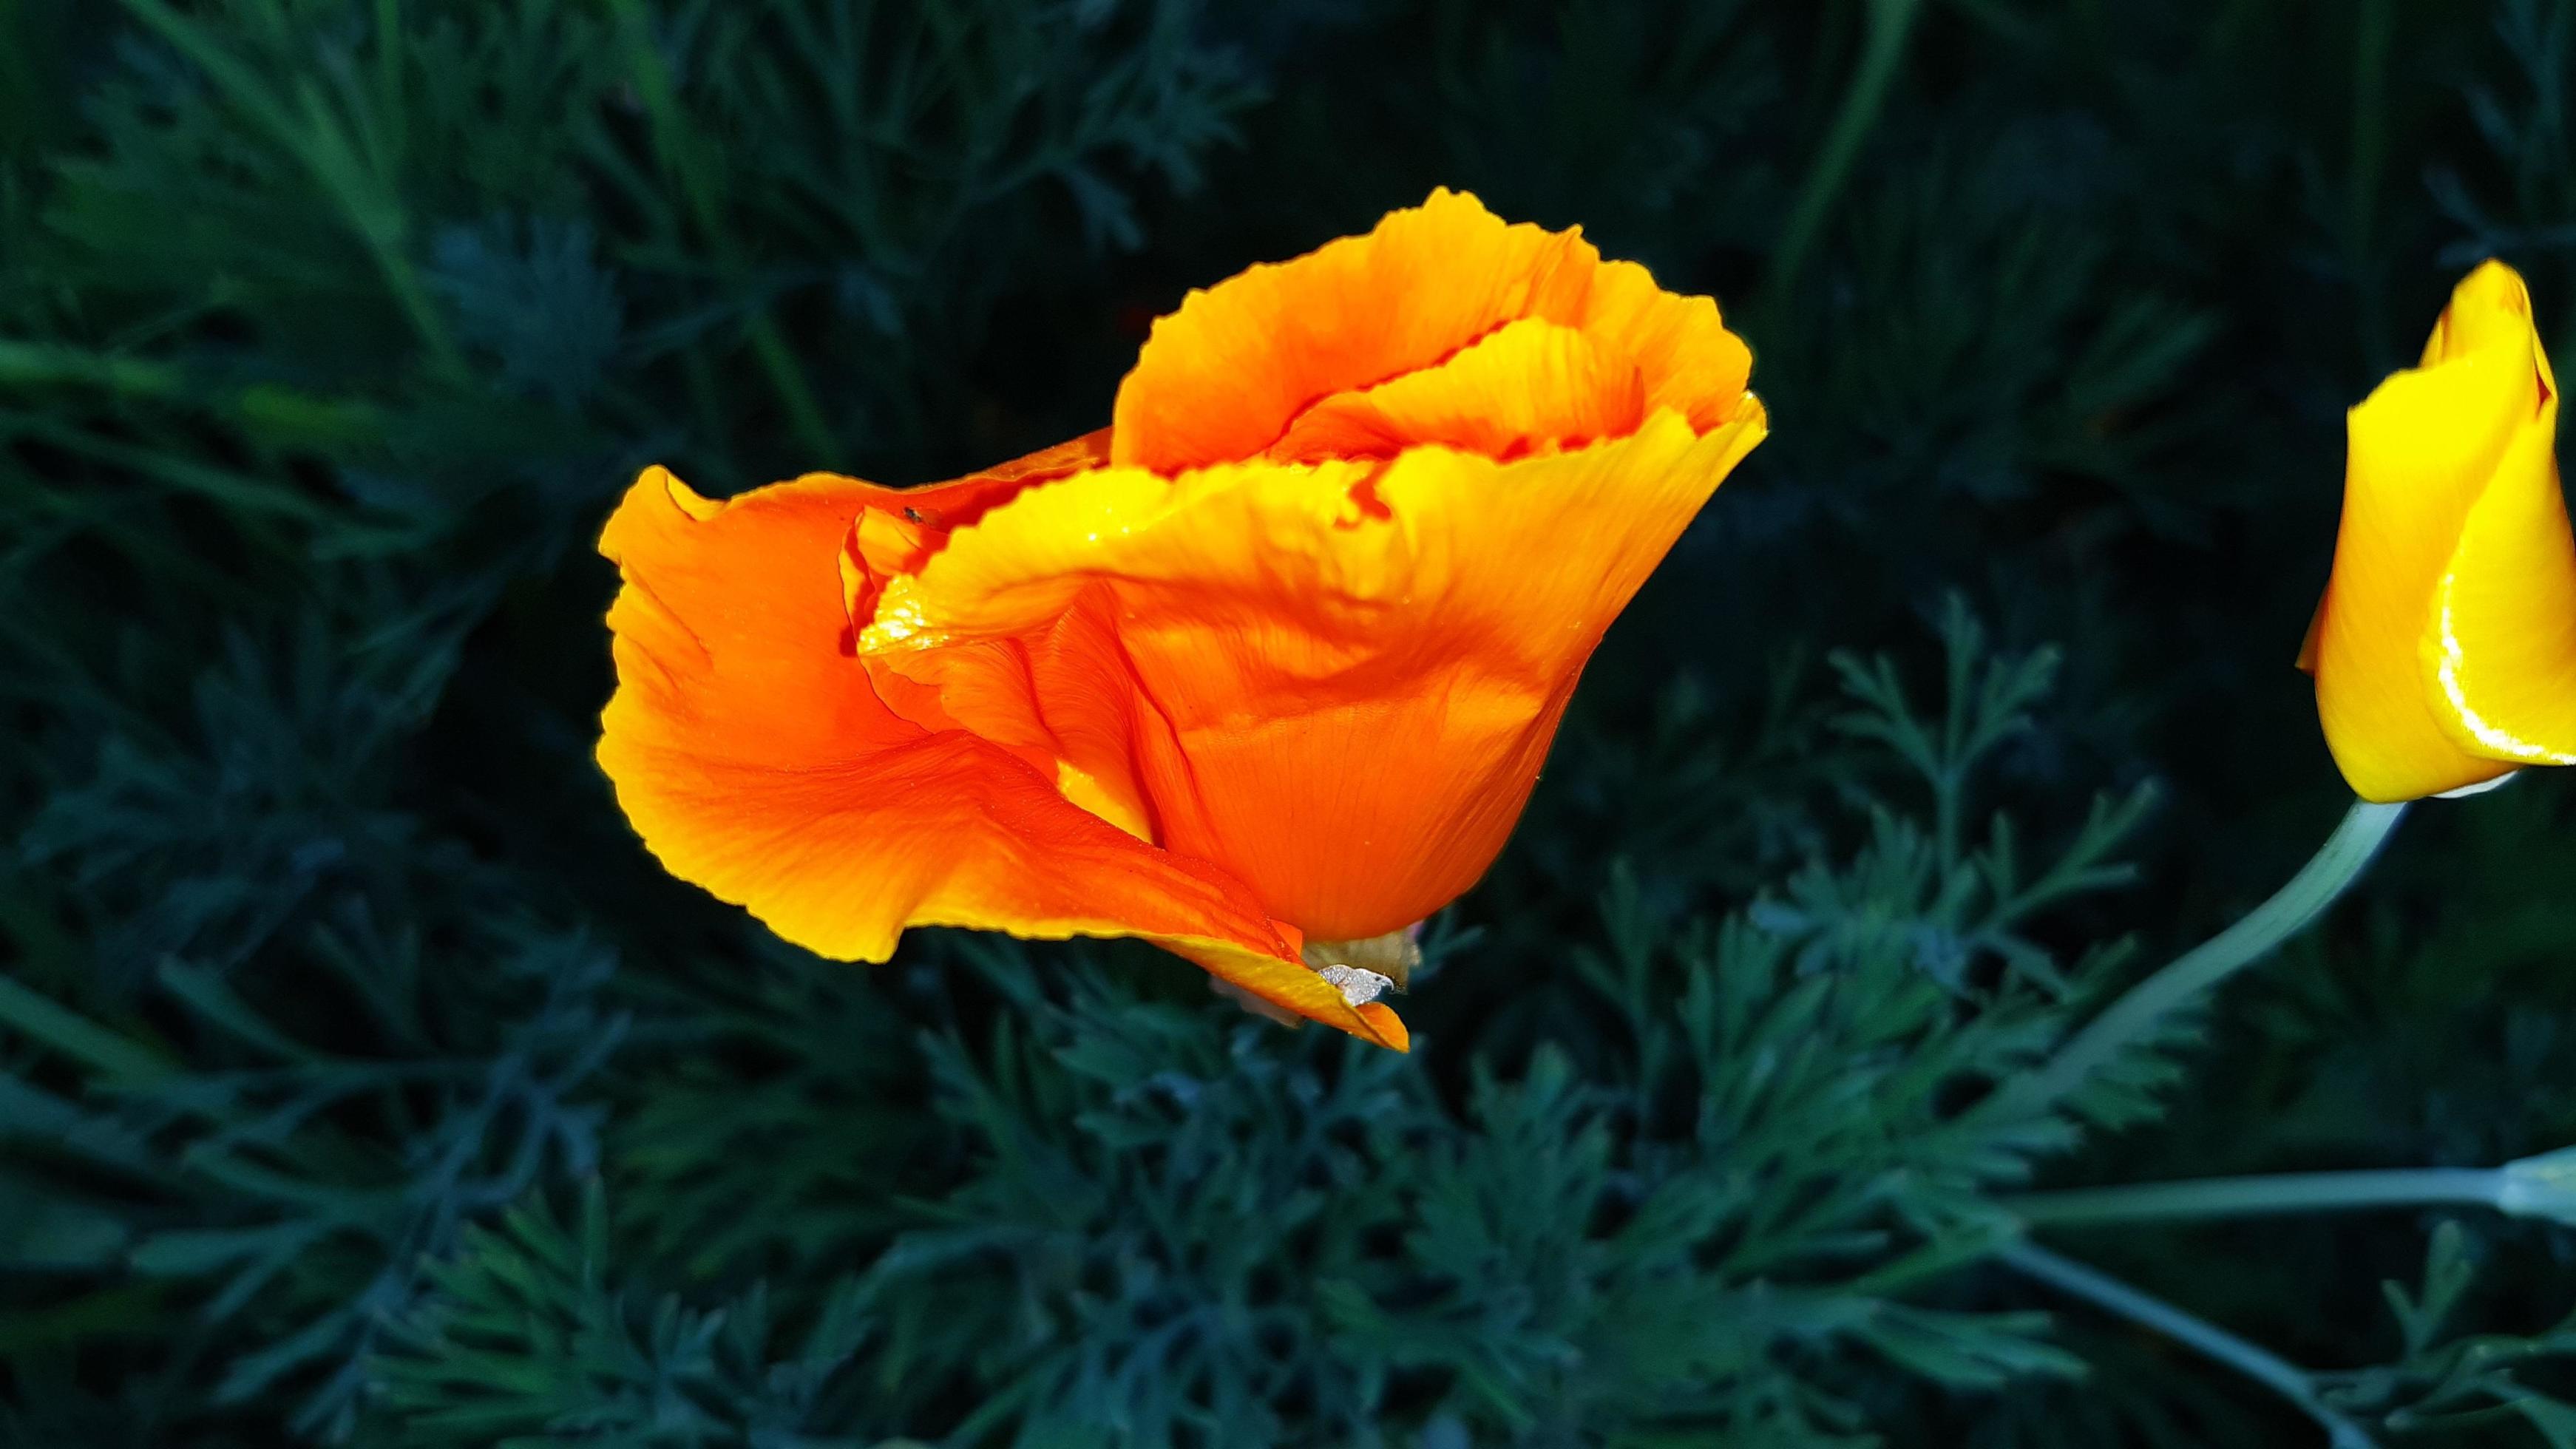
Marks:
<point>363,1082</point>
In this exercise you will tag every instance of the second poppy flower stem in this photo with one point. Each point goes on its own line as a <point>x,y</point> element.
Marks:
<point>2261,1365</point>
<point>2294,1192</point>
<point>2336,865</point>
<point>2540,1186</point>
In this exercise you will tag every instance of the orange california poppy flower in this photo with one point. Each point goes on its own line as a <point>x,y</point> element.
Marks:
<point>2445,648</point>
<point>1262,673</point>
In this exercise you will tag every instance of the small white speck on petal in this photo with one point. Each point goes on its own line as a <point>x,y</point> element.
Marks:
<point>1358,985</point>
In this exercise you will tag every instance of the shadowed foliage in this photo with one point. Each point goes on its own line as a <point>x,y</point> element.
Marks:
<point>363,1082</point>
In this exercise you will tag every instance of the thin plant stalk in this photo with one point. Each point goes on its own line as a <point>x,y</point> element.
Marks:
<point>2293,1192</point>
<point>1882,49</point>
<point>676,140</point>
<point>2201,1336</point>
<point>2192,975</point>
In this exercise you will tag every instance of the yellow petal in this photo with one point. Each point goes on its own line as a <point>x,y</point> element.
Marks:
<point>2423,449</point>
<point>2502,649</point>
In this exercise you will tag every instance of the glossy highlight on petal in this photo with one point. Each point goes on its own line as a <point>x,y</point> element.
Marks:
<point>2445,648</point>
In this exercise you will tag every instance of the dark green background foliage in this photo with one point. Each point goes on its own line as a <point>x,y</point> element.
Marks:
<point>362,1081</point>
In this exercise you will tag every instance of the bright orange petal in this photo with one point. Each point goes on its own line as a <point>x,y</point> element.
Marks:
<point>1689,361</point>
<point>1061,699</point>
<point>1222,378</point>
<point>989,690</point>
<point>2422,450</point>
<point>1532,384</point>
<point>751,752</point>
<point>1355,667</point>
<point>896,530</point>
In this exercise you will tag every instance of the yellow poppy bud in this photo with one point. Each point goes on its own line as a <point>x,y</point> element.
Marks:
<point>2445,649</point>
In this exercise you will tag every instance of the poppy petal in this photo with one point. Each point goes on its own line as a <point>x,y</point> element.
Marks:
<point>1223,377</point>
<point>1357,666</point>
<point>2422,448</point>
<point>1061,699</point>
<point>1529,385</point>
<point>755,758</point>
<point>2502,648</point>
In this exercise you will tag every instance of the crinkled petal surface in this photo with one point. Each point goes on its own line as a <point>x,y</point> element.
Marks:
<point>1531,385</point>
<point>1350,670</point>
<point>1275,658</point>
<point>753,754</point>
<point>1225,377</point>
<point>2445,649</point>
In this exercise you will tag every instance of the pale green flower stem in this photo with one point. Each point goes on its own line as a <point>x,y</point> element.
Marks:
<point>2297,1192</point>
<point>2538,1187</point>
<point>2336,865</point>
<point>2135,1016</point>
<point>2199,1335</point>
<point>2543,1186</point>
